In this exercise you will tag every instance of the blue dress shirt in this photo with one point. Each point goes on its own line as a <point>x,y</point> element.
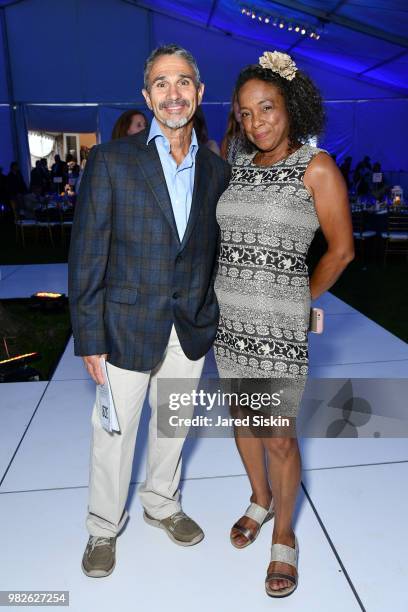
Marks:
<point>179,179</point>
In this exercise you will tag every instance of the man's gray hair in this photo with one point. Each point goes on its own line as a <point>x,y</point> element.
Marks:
<point>170,50</point>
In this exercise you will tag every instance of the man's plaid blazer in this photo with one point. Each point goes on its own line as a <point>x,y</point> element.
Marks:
<point>130,277</point>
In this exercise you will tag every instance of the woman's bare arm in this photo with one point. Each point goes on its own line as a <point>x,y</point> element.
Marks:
<point>326,183</point>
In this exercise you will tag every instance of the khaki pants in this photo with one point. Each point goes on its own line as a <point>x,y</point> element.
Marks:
<point>111,455</point>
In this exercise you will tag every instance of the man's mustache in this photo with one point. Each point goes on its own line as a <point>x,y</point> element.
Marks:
<point>170,103</point>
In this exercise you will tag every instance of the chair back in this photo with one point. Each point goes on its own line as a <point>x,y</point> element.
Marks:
<point>358,221</point>
<point>41,215</point>
<point>47,215</point>
<point>14,208</point>
<point>68,214</point>
<point>53,215</point>
<point>398,220</point>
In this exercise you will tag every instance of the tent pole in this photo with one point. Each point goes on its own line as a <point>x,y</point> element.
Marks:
<point>212,11</point>
<point>9,80</point>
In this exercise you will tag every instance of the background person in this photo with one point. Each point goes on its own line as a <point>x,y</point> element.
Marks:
<point>130,122</point>
<point>233,142</point>
<point>15,184</point>
<point>200,128</point>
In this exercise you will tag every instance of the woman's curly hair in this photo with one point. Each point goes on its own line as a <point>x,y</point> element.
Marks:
<point>302,98</point>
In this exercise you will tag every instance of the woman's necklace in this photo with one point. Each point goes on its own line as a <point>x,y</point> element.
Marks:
<point>265,157</point>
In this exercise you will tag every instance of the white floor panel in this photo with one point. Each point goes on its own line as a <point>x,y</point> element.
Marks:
<point>55,450</point>
<point>356,504</point>
<point>70,367</point>
<point>6,271</point>
<point>364,510</point>
<point>152,573</point>
<point>29,279</point>
<point>17,404</point>
<point>333,305</point>
<point>320,453</point>
<point>354,338</point>
<point>374,369</point>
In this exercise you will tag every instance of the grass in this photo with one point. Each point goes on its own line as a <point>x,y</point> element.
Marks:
<point>45,332</point>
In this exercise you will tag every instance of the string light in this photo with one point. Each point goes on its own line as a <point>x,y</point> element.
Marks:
<point>313,32</point>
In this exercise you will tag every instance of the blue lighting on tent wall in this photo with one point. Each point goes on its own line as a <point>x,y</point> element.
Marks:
<point>105,68</point>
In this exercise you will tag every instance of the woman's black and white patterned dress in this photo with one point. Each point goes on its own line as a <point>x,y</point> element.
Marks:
<point>267,219</point>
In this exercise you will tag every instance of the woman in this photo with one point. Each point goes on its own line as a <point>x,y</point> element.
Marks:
<point>278,196</point>
<point>130,122</point>
<point>201,130</point>
<point>233,142</point>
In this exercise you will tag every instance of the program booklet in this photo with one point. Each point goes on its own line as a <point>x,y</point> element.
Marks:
<point>105,405</point>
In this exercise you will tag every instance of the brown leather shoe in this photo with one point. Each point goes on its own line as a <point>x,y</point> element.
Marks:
<point>99,557</point>
<point>179,527</point>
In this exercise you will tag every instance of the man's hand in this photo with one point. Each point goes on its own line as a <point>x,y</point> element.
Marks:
<point>94,367</point>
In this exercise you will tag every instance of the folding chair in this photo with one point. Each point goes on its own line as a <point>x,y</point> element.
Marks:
<point>360,233</point>
<point>396,236</point>
<point>22,224</point>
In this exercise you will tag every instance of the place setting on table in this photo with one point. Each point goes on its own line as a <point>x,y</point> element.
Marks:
<point>381,222</point>
<point>376,211</point>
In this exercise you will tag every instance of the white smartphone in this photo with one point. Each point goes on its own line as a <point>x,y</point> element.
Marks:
<point>316,321</point>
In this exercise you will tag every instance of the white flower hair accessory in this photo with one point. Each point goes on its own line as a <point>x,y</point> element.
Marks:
<point>278,62</point>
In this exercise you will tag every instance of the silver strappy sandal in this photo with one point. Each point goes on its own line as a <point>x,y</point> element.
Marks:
<point>285,554</point>
<point>258,514</point>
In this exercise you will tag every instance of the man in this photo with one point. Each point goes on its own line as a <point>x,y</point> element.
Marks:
<point>16,187</point>
<point>46,175</point>
<point>141,269</point>
<point>59,170</point>
<point>37,177</point>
